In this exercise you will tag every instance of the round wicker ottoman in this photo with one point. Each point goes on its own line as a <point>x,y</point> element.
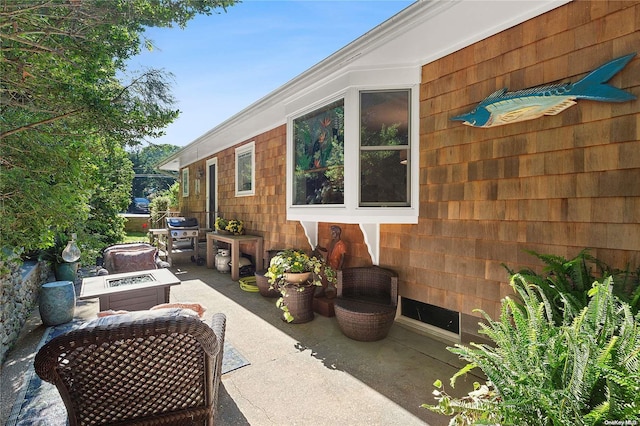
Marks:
<point>364,321</point>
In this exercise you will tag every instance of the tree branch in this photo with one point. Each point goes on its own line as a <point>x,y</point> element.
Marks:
<point>38,123</point>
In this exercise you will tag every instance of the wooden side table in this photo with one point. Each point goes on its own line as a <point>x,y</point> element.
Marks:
<point>234,241</point>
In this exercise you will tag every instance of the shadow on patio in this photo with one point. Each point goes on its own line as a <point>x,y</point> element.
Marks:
<point>306,374</point>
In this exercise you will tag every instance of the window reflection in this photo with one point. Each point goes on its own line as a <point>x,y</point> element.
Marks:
<point>318,139</point>
<point>384,148</point>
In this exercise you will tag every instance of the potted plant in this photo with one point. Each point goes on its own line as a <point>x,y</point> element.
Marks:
<point>64,270</point>
<point>296,274</point>
<point>229,226</point>
<point>221,224</point>
<point>235,226</point>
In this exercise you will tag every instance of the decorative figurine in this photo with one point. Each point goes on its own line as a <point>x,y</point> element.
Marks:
<point>504,107</point>
<point>334,257</point>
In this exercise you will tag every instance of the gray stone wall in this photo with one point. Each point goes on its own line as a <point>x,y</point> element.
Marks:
<point>19,290</point>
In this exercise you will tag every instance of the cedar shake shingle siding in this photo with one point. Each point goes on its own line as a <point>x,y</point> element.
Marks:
<point>555,185</point>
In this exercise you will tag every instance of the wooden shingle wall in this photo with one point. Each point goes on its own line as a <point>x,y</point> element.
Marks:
<point>555,185</point>
<point>264,213</point>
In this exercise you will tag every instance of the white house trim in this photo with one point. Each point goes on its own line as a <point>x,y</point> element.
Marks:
<point>422,33</point>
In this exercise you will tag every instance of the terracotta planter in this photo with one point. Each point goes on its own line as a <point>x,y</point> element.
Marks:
<point>299,301</point>
<point>297,278</point>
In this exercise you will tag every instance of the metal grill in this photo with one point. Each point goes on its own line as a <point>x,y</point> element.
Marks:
<point>182,227</point>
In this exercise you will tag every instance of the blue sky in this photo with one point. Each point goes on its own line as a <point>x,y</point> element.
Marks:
<point>224,62</point>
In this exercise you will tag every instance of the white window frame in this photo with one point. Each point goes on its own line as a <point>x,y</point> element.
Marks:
<point>185,182</point>
<point>407,148</point>
<point>350,211</point>
<point>250,149</point>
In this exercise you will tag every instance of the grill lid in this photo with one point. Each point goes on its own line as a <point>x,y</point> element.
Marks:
<point>182,222</point>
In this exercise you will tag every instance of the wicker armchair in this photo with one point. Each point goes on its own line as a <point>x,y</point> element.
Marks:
<point>160,369</point>
<point>366,302</point>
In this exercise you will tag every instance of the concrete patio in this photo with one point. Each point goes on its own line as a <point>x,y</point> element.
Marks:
<point>300,374</point>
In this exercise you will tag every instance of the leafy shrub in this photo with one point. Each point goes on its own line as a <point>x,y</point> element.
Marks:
<point>583,371</point>
<point>173,192</point>
<point>163,202</point>
<point>566,282</point>
<point>158,208</point>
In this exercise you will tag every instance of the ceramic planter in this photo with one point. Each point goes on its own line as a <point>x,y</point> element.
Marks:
<point>66,271</point>
<point>297,278</point>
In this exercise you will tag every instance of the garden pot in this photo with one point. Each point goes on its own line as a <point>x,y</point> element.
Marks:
<point>57,302</point>
<point>263,285</point>
<point>66,271</point>
<point>297,278</point>
<point>299,301</point>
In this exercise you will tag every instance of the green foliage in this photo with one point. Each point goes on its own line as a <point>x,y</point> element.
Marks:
<point>158,207</point>
<point>135,237</point>
<point>144,163</point>
<point>584,371</point>
<point>45,185</point>
<point>566,282</point>
<point>66,99</point>
<point>383,171</point>
<point>112,177</point>
<point>174,191</point>
<point>235,226</point>
<point>296,261</point>
<point>61,61</point>
<point>221,223</point>
<point>319,155</point>
<point>162,203</point>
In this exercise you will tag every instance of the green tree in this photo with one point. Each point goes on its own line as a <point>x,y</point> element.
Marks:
<point>148,180</point>
<point>113,175</point>
<point>66,99</point>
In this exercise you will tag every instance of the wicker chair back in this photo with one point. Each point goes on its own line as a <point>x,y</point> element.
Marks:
<point>159,371</point>
<point>368,283</point>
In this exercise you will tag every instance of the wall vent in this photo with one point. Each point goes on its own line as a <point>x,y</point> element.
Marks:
<point>432,315</point>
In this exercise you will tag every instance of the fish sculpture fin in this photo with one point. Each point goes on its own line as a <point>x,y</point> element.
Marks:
<point>593,86</point>
<point>495,95</point>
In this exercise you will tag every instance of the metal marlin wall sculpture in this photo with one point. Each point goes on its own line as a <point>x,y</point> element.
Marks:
<point>504,107</point>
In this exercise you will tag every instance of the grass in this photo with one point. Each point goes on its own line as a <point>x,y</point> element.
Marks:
<point>136,237</point>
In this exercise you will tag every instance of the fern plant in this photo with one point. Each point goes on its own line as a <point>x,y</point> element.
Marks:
<point>566,282</point>
<point>585,371</point>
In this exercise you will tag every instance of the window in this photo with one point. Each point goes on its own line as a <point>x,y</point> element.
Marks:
<point>318,141</point>
<point>245,167</point>
<point>354,158</point>
<point>185,182</point>
<point>384,148</point>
